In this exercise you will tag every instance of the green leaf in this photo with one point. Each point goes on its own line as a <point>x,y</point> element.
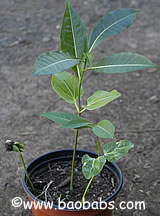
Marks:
<point>15,148</point>
<point>74,37</point>
<point>101,98</point>
<point>89,58</point>
<point>19,145</point>
<point>77,123</point>
<point>60,118</point>
<point>92,166</point>
<point>122,62</point>
<point>53,62</point>
<point>73,33</point>
<point>111,24</point>
<point>115,150</point>
<point>104,129</point>
<point>66,86</point>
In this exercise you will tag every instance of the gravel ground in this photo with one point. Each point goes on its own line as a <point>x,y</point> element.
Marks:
<point>29,28</point>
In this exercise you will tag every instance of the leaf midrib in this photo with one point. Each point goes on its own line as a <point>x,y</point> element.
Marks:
<point>124,65</point>
<point>74,41</point>
<point>98,100</point>
<point>62,118</point>
<point>104,130</point>
<point>59,62</point>
<point>71,94</point>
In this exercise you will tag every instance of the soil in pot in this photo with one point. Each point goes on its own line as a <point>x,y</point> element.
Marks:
<point>56,175</point>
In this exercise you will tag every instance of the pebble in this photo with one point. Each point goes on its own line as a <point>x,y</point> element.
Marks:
<point>47,39</point>
<point>112,180</point>
<point>154,99</point>
<point>4,42</point>
<point>137,74</point>
<point>76,170</point>
<point>57,26</point>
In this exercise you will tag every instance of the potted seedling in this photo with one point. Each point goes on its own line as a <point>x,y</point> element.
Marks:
<point>79,175</point>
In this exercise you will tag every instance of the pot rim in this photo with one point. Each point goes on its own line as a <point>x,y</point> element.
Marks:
<point>110,198</point>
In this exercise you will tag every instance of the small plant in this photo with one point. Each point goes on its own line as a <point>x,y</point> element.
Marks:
<point>76,54</point>
<point>18,147</point>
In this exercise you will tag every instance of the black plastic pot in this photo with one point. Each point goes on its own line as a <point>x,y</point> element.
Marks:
<point>67,156</point>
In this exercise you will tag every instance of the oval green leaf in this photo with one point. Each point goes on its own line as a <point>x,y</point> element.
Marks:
<point>113,151</point>
<point>101,98</point>
<point>66,86</point>
<point>16,149</point>
<point>122,62</point>
<point>111,24</point>
<point>104,129</point>
<point>53,62</point>
<point>77,123</point>
<point>60,118</point>
<point>92,166</point>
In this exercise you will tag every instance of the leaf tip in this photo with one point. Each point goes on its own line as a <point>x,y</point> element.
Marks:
<point>138,11</point>
<point>33,74</point>
<point>42,114</point>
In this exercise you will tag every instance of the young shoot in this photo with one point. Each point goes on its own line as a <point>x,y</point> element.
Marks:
<point>18,147</point>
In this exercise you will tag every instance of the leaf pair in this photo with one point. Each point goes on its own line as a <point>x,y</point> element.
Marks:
<point>113,151</point>
<point>66,86</point>
<point>103,129</point>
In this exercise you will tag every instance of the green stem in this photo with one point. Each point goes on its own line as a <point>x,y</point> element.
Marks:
<point>76,136</point>
<point>82,110</point>
<point>98,146</point>
<point>73,160</point>
<point>87,189</point>
<point>92,176</point>
<point>27,175</point>
<point>75,102</point>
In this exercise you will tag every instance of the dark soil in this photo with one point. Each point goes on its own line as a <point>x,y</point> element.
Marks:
<point>103,185</point>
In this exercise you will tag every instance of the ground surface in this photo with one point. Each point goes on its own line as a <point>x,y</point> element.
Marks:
<point>28,28</point>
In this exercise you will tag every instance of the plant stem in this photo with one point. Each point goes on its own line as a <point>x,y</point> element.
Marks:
<point>83,110</point>
<point>98,146</point>
<point>87,189</point>
<point>73,160</point>
<point>75,102</point>
<point>27,175</point>
<point>76,136</point>
<point>92,176</point>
